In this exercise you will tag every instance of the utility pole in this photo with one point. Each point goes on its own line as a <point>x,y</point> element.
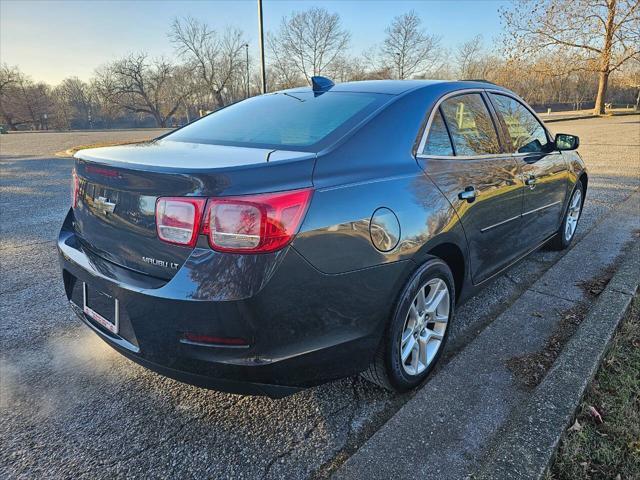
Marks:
<point>246,46</point>
<point>261,40</point>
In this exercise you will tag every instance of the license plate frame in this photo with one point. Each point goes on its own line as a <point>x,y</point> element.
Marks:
<point>111,326</point>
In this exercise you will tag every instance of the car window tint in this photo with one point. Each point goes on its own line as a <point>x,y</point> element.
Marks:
<point>527,135</point>
<point>438,141</point>
<point>296,119</point>
<point>470,124</point>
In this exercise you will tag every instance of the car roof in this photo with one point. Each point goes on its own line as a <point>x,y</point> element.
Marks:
<point>398,87</point>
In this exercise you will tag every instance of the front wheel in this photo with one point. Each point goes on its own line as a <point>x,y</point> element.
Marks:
<point>569,224</point>
<point>417,332</point>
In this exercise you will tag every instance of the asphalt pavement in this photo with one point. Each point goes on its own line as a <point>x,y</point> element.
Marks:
<point>71,407</point>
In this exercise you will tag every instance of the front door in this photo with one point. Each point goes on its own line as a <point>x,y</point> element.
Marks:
<point>542,169</point>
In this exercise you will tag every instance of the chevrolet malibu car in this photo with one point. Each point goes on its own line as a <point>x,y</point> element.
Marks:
<point>314,233</point>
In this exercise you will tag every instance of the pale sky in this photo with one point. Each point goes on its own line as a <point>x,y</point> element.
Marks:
<point>50,40</point>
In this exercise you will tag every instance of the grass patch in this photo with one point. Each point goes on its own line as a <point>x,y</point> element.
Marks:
<point>607,447</point>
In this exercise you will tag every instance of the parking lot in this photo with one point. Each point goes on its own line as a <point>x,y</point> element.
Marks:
<point>71,407</point>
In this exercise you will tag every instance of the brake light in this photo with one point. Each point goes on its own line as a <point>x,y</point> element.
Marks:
<point>75,188</point>
<point>255,223</point>
<point>178,219</point>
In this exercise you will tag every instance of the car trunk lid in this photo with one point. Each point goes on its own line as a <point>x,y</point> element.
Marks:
<point>118,188</point>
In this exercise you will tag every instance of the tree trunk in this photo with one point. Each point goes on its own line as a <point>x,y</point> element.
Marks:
<point>160,120</point>
<point>9,121</point>
<point>186,111</point>
<point>605,58</point>
<point>218,97</point>
<point>603,80</point>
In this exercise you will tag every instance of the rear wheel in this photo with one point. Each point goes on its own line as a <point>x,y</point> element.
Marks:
<point>569,224</point>
<point>417,332</point>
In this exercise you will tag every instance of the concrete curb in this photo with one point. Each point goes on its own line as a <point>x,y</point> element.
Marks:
<point>531,437</point>
<point>458,420</point>
<point>132,129</point>
<point>70,152</point>
<point>580,117</point>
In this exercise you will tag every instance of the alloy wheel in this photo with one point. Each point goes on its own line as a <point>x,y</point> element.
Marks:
<point>573,214</point>
<point>425,326</point>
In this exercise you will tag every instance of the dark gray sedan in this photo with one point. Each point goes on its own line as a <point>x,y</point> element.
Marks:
<point>314,233</point>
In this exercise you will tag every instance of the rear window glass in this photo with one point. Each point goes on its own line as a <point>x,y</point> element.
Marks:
<point>438,142</point>
<point>299,120</point>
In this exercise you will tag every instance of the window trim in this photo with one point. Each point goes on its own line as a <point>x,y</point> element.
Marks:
<point>494,117</point>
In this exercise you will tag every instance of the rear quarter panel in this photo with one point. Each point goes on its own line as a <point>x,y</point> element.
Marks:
<point>376,168</point>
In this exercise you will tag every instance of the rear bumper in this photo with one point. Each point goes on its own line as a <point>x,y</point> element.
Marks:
<point>303,327</point>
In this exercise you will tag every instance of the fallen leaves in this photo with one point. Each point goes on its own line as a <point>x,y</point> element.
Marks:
<point>595,414</point>
<point>596,286</point>
<point>576,427</point>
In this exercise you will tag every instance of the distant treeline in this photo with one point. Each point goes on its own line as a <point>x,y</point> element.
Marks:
<point>572,58</point>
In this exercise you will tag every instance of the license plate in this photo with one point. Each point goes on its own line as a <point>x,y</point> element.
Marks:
<point>101,308</point>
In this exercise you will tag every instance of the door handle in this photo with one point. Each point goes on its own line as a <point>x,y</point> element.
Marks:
<point>469,194</point>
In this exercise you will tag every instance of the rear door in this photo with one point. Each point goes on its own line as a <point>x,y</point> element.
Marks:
<point>464,157</point>
<point>542,169</point>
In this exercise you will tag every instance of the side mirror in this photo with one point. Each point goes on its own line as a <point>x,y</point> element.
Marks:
<point>564,141</point>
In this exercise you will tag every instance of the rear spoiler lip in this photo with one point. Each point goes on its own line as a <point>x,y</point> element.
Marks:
<point>199,162</point>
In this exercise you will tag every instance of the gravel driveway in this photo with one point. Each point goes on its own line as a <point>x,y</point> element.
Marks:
<point>71,407</point>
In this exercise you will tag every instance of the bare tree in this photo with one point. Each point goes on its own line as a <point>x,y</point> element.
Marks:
<point>630,80</point>
<point>141,86</point>
<point>472,61</point>
<point>579,88</point>
<point>105,109</point>
<point>601,35</point>
<point>349,69</point>
<point>283,71</point>
<point>408,48</point>
<point>22,101</point>
<point>9,78</point>
<point>216,59</point>
<point>308,42</point>
<point>79,102</point>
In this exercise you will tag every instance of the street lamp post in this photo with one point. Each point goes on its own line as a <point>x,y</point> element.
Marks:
<point>261,40</point>
<point>246,46</point>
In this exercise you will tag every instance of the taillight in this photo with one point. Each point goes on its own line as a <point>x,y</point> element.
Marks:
<point>75,188</point>
<point>178,219</point>
<point>255,223</point>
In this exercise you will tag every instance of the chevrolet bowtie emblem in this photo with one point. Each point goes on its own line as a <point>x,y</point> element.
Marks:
<point>104,205</point>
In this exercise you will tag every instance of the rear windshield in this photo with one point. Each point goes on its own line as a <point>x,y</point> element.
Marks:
<point>301,121</point>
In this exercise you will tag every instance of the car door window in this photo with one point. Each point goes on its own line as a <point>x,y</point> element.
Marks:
<point>438,141</point>
<point>470,124</point>
<point>526,132</point>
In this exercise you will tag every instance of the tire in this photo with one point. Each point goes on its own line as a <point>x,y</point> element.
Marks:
<point>388,369</point>
<point>567,231</point>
